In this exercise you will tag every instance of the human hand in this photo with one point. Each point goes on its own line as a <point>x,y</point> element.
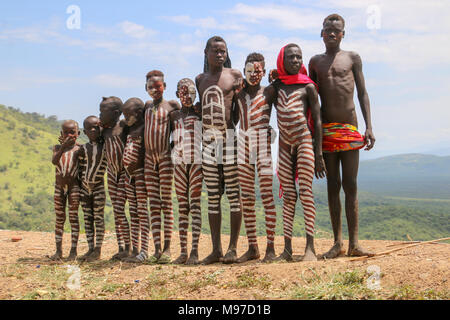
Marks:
<point>198,108</point>
<point>369,138</point>
<point>239,85</point>
<point>273,75</point>
<point>320,169</point>
<point>69,141</point>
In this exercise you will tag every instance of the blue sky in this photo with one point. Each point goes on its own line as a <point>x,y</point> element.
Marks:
<point>50,69</point>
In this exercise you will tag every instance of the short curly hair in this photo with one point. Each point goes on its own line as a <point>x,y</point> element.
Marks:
<point>154,73</point>
<point>254,57</point>
<point>334,17</point>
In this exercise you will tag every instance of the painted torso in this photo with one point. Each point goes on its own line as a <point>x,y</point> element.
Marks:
<point>291,118</point>
<point>92,163</point>
<point>157,130</point>
<point>133,154</point>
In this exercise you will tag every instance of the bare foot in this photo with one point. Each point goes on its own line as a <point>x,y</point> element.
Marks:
<point>134,252</point>
<point>85,256</point>
<point>270,255</point>
<point>181,259</point>
<point>56,257</point>
<point>140,258</point>
<point>215,256</point>
<point>309,255</point>
<point>72,255</point>
<point>251,254</point>
<point>120,255</point>
<point>285,256</point>
<point>230,257</point>
<point>95,255</point>
<point>359,251</point>
<point>193,258</point>
<point>335,251</point>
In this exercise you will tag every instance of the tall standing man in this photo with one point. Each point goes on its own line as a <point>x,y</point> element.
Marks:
<point>218,87</point>
<point>336,72</point>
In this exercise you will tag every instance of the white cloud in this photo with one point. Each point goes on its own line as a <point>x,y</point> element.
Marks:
<point>285,17</point>
<point>116,81</point>
<point>26,79</point>
<point>207,23</point>
<point>135,30</point>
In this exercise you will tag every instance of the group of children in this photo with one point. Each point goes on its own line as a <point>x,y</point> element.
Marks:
<point>161,142</point>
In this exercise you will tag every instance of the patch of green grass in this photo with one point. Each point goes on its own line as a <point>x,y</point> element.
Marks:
<point>407,292</point>
<point>155,286</point>
<point>207,280</point>
<point>13,270</point>
<point>250,279</point>
<point>341,286</point>
<point>112,287</point>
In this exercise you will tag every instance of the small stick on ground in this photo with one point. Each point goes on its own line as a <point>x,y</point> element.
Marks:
<point>408,242</point>
<point>398,249</point>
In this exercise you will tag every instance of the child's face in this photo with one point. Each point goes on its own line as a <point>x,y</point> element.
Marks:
<point>332,33</point>
<point>254,72</point>
<point>70,131</point>
<point>293,60</point>
<point>187,94</point>
<point>92,129</point>
<point>156,87</point>
<point>217,54</point>
<point>131,115</point>
<point>108,116</point>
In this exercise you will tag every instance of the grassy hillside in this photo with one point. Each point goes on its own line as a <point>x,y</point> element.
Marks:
<point>408,175</point>
<point>392,209</point>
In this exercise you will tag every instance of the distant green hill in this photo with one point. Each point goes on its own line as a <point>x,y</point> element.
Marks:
<point>407,175</point>
<point>391,204</point>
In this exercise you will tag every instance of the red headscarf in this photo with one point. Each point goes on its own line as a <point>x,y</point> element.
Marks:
<point>299,78</point>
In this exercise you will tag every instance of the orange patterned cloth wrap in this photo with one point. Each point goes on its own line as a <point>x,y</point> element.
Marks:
<point>339,137</point>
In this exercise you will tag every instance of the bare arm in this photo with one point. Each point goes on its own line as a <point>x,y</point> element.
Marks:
<point>312,71</point>
<point>81,163</point>
<point>237,87</point>
<point>58,150</point>
<point>175,107</point>
<point>363,98</point>
<point>57,153</point>
<point>313,101</point>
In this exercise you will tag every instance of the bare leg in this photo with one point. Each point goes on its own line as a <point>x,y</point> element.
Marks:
<point>334,203</point>
<point>116,187</point>
<point>74,202</point>
<point>152,184</point>
<point>270,253</point>
<point>287,253</point>
<point>215,221</point>
<point>350,163</point>
<point>88,208</point>
<point>310,252</point>
<point>214,186</point>
<point>286,173</point>
<point>166,182</point>
<point>231,179</point>
<point>265,174</point>
<point>60,200</point>
<point>99,219</point>
<point>182,184</point>
<point>195,182</point>
<point>247,183</point>
<point>305,169</point>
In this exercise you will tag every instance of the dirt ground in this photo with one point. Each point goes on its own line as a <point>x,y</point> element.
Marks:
<point>421,272</point>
